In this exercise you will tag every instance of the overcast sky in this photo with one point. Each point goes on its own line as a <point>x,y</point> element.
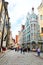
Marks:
<point>18,10</point>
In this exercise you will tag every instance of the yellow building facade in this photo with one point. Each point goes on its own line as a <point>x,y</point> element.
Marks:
<point>40,19</point>
<point>4,24</point>
<point>40,11</point>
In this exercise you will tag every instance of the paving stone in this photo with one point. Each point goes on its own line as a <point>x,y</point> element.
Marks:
<point>16,58</point>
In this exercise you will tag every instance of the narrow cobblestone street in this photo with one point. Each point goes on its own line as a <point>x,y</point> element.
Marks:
<point>21,30</point>
<point>16,58</point>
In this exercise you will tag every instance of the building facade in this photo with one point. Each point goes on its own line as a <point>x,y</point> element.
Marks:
<point>21,36</point>
<point>4,23</point>
<point>16,39</point>
<point>40,18</point>
<point>32,35</point>
<point>11,41</point>
<point>34,29</point>
<point>31,31</point>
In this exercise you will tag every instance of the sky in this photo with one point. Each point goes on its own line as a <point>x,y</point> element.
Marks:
<point>18,10</point>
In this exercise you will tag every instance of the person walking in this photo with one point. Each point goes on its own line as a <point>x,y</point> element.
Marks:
<point>38,51</point>
<point>21,49</point>
<point>28,48</point>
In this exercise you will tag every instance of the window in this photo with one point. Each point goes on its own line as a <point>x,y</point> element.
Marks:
<point>31,25</point>
<point>34,26</point>
<point>37,17</point>
<point>29,37</point>
<point>40,17</point>
<point>31,34</point>
<point>27,18</point>
<point>42,29</point>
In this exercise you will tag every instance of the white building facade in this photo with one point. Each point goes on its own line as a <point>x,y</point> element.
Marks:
<point>31,31</point>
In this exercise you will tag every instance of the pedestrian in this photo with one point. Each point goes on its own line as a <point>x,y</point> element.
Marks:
<point>28,48</point>
<point>38,51</point>
<point>21,49</point>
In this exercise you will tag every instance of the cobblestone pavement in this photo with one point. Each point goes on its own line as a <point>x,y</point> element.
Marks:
<point>16,58</point>
<point>1,54</point>
<point>41,55</point>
